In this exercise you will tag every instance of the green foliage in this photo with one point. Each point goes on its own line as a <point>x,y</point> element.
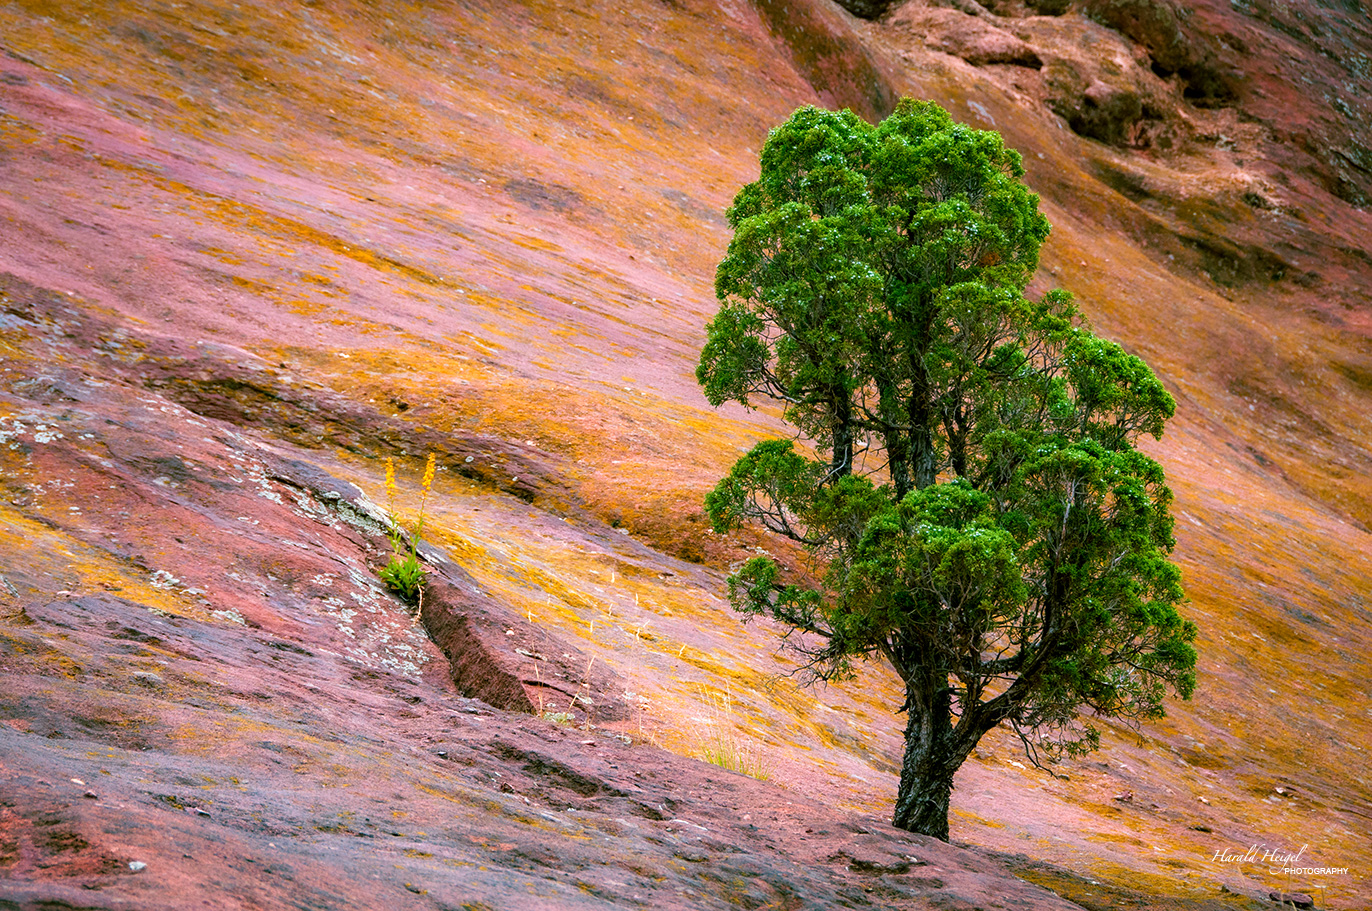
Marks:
<point>404,576</point>
<point>979,514</point>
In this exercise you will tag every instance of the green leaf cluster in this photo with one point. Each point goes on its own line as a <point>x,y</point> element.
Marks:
<point>404,575</point>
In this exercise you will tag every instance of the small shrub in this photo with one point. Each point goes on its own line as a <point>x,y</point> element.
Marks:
<point>403,574</point>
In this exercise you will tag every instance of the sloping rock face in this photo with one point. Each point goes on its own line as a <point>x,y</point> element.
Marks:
<point>251,251</point>
<point>293,738</point>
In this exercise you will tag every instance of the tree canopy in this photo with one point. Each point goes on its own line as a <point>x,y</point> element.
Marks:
<point>978,514</point>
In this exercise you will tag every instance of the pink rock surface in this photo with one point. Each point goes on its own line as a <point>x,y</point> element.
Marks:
<point>291,739</point>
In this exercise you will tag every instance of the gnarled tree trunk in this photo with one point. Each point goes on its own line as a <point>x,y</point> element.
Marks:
<point>926,770</point>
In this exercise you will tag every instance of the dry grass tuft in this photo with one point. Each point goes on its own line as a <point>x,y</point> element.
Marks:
<point>719,741</point>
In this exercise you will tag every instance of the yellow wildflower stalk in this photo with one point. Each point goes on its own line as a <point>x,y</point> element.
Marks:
<point>403,574</point>
<point>428,474</point>
<point>424,487</point>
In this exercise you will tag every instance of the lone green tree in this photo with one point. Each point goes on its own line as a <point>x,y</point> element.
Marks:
<point>978,515</point>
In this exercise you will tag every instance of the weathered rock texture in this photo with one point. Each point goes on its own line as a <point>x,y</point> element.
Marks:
<point>251,250</point>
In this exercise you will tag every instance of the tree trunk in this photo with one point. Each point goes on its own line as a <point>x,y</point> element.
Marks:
<point>926,771</point>
<point>841,462</point>
<point>923,458</point>
<point>899,463</point>
<point>920,408</point>
<point>894,440</point>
